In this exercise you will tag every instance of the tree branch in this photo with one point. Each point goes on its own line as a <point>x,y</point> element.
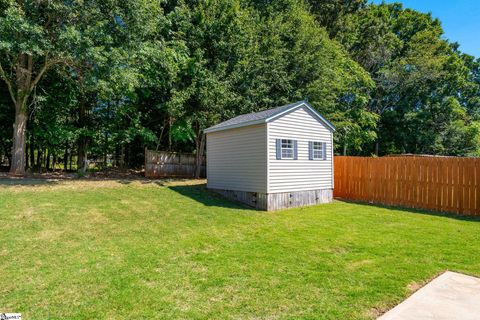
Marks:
<point>45,67</point>
<point>40,74</point>
<point>9,84</point>
<point>29,68</point>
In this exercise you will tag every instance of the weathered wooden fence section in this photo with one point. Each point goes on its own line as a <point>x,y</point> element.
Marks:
<point>444,184</point>
<point>162,164</point>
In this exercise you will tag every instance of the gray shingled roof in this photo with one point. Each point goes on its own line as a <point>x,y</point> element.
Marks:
<point>254,116</point>
<point>258,117</point>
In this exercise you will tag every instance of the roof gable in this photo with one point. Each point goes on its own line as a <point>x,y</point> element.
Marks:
<point>267,116</point>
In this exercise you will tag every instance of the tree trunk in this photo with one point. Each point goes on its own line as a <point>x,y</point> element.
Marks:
<point>126,156</point>
<point>44,159</point>
<point>47,161</point>
<point>82,155</point>
<point>39,159</point>
<point>65,159</point>
<point>54,162</point>
<point>32,153</point>
<point>9,158</point>
<point>105,151</point>
<point>122,157</point>
<point>23,78</point>
<point>345,149</point>
<point>27,156</point>
<point>199,159</point>
<point>20,88</point>
<point>116,156</point>
<point>169,133</point>
<point>82,140</point>
<point>17,167</point>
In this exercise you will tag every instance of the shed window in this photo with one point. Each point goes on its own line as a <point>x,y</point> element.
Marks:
<point>286,149</point>
<point>317,150</point>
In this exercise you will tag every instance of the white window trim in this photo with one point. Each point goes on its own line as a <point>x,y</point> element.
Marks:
<point>292,149</point>
<point>323,150</point>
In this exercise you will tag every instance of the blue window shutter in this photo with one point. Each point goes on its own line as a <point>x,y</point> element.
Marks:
<point>310,150</point>
<point>295,150</point>
<point>279,148</point>
<point>324,151</point>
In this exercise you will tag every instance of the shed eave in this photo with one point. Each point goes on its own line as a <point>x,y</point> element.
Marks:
<point>233,126</point>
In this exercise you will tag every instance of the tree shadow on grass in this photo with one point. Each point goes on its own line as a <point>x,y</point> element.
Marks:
<point>5,182</point>
<point>201,194</point>
<point>43,179</point>
<point>416,211</point>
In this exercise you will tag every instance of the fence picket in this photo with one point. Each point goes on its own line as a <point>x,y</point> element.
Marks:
<point>170,164</point>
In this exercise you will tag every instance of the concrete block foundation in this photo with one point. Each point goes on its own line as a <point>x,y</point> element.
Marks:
<point>278,201</point>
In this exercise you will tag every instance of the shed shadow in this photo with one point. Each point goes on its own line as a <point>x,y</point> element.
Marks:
<point>201,194</point>
<point>416,211</point>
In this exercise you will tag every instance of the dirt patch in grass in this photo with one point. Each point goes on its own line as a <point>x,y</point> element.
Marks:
<point>376,312</point>
<point>414,286</point>
<point>49,235</point>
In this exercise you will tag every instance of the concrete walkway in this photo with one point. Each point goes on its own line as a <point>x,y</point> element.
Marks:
<point>450,296</point>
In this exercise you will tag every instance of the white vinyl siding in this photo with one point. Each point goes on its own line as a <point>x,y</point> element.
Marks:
<point>301,174</point>
<point>237,159</point>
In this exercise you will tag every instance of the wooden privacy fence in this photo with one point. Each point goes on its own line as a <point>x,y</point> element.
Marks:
<point>162,164</point>
<point>444,184</point>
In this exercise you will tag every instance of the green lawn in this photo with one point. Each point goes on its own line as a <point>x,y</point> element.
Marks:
<point>94,250</point>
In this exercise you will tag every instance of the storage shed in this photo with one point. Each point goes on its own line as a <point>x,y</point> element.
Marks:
<point>273,159</point>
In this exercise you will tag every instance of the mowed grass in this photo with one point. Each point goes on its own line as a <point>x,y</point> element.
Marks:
<point>132,250</point>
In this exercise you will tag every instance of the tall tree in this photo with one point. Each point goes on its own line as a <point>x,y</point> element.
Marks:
<point>417,73</point>
<point>331,13</point>
<point>35,36</point>
<point>249,57</point>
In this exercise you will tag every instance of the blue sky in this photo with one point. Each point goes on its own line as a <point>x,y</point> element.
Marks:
<point>460,20</point>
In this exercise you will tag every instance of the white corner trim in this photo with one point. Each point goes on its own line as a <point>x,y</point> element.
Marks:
<point>268,157</point>
<point>332,161</point>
